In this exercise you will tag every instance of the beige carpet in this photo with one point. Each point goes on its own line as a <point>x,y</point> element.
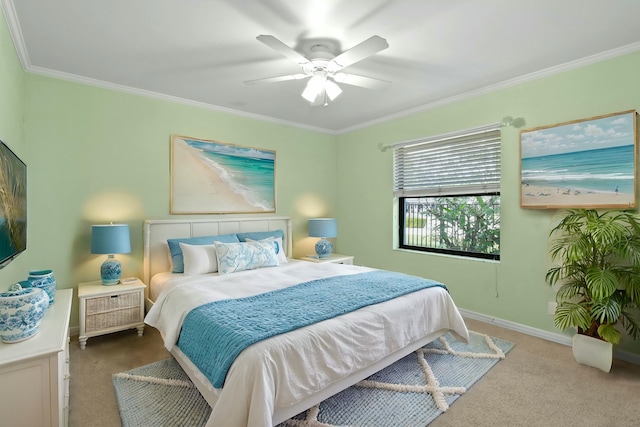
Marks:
<point>538,384</point>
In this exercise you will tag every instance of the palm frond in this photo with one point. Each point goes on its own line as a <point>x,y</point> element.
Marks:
<point>569,291</point>
<point>609,333</point>
<point>606,311</point>
<point>630,323</point>
<point>631,285</point>
<point>601,283</point>
<point>572,315</point>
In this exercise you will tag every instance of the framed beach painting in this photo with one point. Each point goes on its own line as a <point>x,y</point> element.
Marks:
<point>589,163</point>
<point>213,177</point>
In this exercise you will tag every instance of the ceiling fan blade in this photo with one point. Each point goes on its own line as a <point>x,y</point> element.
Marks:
<point>362,81</point>
<point>370,46</point>
<point>285,50</point>
<point>276,79</point>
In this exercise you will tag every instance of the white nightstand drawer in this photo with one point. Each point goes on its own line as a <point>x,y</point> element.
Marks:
<point>113,302</point>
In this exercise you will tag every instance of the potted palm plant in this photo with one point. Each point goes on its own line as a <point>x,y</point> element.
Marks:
<point>598,280</point>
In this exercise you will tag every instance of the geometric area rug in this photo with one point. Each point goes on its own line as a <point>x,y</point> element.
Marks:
<point>411,392</point>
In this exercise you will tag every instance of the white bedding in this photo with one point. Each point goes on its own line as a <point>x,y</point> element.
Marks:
<point>283,370</point>
<point>159,280</point>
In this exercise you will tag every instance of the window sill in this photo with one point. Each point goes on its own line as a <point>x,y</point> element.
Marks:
<point>465,258</point>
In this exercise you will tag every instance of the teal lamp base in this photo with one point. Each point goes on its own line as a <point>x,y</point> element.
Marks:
<point>110,271</point>
<point>323,248</point>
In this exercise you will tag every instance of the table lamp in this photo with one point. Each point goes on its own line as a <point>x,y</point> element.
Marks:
<point>110,239</point>
<point>323,228</point>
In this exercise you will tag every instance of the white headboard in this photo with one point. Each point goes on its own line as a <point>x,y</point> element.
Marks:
<point>156,233</point>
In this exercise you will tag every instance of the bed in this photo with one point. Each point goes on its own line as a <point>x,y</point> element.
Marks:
<point>282,375</point>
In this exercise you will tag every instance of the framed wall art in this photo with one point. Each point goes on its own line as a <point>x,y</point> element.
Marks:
<point>213,177</point>
<point>589,163</point>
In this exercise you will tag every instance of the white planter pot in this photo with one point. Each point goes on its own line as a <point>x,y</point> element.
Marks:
<point>592,352</point>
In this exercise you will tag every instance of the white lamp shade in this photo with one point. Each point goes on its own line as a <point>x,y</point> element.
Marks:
<point>323,227</point>
<point>110,239</point>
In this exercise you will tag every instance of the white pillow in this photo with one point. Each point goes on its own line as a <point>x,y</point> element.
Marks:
<point>277,242</point>
<point>242,256</point>
<point>199,259</point>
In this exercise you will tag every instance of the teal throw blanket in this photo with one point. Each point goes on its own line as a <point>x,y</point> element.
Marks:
<point>214,334</point>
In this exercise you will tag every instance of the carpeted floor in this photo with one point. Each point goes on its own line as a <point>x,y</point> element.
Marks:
<point>537,385</point>
<point>411,392</point>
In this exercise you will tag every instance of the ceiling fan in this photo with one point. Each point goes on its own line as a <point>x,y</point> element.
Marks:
<point>323,68</point>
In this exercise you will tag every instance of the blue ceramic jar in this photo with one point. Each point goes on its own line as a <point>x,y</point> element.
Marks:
<point>21,311</point>
<point>45,280</point>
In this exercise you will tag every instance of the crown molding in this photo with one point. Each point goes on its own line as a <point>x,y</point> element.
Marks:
<point>141,92</point>
<point>9,12</point>
<point>572,65</point>
<point>11,17</point>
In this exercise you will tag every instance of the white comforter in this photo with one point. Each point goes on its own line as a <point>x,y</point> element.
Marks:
<point>283,370</point>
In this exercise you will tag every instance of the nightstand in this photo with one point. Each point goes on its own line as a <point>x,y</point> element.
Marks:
<point>334,258</point>
<point>106,309</point>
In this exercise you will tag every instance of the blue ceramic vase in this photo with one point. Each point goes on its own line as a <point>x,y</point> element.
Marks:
<point>323,248</point>
<point>21,311</point>
<point>45,280</point>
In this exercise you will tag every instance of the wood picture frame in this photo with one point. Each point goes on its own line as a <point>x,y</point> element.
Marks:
<point>588,163</point>
<point>210,177</point>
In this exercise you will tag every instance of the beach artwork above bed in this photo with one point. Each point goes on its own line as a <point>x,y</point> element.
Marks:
<point>213,177</point>
<point>589,163</point>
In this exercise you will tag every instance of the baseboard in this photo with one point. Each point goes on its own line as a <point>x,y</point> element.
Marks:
<point>539,333</point>
<point>74,330</point>
<point>627,356</point>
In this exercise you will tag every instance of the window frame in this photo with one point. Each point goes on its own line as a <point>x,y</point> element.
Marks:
<point>467,254</point>
<point>407,185</point>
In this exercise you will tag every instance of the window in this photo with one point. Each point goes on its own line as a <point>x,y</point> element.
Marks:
<point>448,192</point>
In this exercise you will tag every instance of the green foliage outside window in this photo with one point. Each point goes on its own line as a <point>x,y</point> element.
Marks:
<point>460,224</point>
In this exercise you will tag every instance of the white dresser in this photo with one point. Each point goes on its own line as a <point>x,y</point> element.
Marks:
<point>34,374</point>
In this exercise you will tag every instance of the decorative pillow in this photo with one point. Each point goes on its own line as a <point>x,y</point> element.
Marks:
<point>277,243</point>
<point>176,252</point>
<point>261,235</point>
<point>199,259</point>
<point>242,256</point>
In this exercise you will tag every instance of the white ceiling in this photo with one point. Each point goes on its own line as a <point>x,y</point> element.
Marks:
<point>201,51</point>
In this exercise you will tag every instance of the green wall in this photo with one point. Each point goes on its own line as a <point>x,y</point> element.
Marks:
<point>97,155</point>
<point>12,102</point>
<point>514,288</point>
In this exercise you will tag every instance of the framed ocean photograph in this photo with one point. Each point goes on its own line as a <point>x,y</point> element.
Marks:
<point>213,177</point>
<point>589,163</point>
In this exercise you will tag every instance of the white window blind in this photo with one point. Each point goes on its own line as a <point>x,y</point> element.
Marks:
<point>466,162</point>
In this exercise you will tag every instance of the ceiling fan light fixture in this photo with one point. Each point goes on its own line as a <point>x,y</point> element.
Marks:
<point>333,90</point>
<point>314,87</point>
<point>309,95</point>
<point>323,67</point>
